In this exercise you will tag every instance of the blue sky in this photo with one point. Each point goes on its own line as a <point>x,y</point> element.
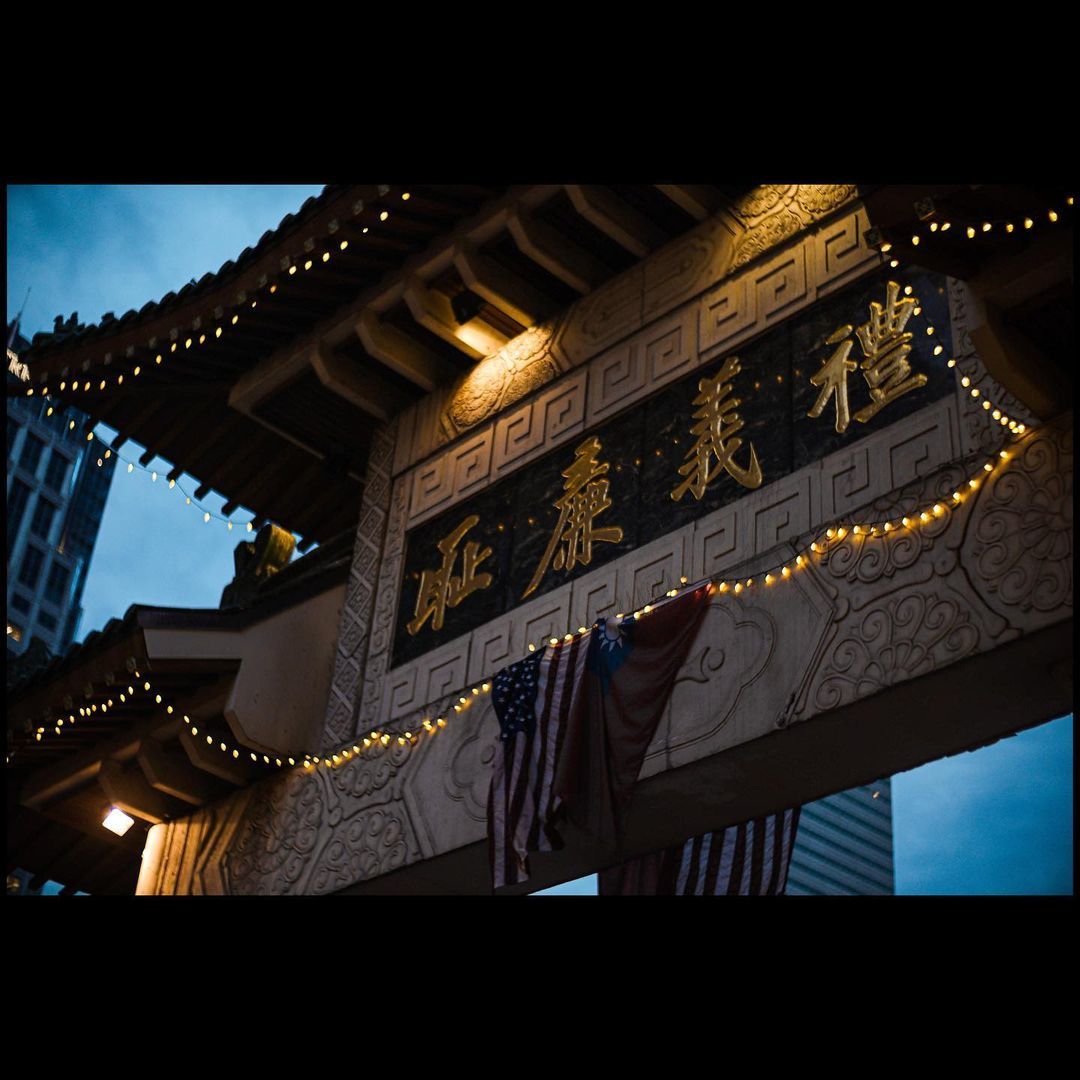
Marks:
<point>998,820</point>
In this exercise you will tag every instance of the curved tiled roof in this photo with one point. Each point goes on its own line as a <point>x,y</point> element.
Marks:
<point>47,342</point>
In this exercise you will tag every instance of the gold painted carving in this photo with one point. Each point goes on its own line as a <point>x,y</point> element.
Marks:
<point>585,496</point>
<point>717,428</point>
<point>885,345</point>
<point>440,589</point>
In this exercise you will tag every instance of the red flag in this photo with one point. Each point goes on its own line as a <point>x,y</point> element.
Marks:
<point>629,673</point>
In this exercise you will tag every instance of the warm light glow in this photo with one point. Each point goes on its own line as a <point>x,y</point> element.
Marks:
<point>116,821</point>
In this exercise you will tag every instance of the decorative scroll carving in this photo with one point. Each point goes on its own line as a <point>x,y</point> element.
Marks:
<point>375,842</point>
<point>1020,546</point>
<point>732,649</point>
<point>285,824</point>
<point>907,636</point>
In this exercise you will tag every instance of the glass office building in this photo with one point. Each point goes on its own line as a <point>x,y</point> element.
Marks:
<point>56,492</point>
<point>844,845</point>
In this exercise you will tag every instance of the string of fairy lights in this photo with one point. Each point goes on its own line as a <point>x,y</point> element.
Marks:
<point>292,267</point>
<point>213,326</point>
<point>189,499</point>
<point>826,541</point>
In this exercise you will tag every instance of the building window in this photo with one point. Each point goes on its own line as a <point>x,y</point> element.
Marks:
<point>56,473</point>
<point>31,453</point>
<point>16,507</point>
<point>58,420</point>
<point>46,620</point>
<point>42,520</point>
<point>13,430</point>
<point>31,566</point>
<point>20,603</point>
<point>56,586</point>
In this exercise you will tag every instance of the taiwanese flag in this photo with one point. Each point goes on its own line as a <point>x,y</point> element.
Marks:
<point>627,678</point>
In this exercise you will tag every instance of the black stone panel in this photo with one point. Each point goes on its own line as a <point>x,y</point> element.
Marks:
<point>645,446</point>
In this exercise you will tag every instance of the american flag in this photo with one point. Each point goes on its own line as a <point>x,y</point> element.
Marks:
<point>576,720</point>
<point>749,859</point>
<point>533,700</point>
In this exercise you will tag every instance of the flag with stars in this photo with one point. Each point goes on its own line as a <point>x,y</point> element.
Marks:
<point>532,700</point>
<point>631,670</point>
<point>748,859</point>
<point>575,721</point>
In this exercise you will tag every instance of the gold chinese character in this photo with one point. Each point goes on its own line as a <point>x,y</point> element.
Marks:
<point>885,345</point>
<point>585,495</point>
<point>832,378</point>
<point>440,589</point>
<point>716,430</point>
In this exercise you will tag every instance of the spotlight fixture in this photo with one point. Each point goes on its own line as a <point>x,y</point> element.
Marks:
<point>465,306</point>
<point>117,821</point>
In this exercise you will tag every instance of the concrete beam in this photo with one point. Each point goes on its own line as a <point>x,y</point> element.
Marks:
<point>948,712</point>
<point>615,218</point>
<point>362,389</point>
<point>128,789</point>
<point>174,774</point>
<point>547,247</point>
<point>401,353</point>
<point>500,287</point>
<point>431,309</point>
<point>699,200</point>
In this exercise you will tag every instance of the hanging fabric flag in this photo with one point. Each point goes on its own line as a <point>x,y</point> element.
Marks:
<point>631,669</point>
<point>532,700</point>
<point>575,721</point>
<point>749,859</point>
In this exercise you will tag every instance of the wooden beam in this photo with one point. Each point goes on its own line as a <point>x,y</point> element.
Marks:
<point>401,353</point>
<point>362,389</point>
<point>128,790</point>
<point>562,258</point>
<point>500,287</point>
<point>174,774</point>
<point>612,216</point>
<point>700,201</point>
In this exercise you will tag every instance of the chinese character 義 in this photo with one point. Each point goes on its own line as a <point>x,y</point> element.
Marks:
<point>716,430</point>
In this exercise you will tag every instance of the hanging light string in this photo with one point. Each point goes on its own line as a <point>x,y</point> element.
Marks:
<point>140,688</point>
<point>971,229</point>
<point>827,541</point>
<point>207,515</point>
<point>216,327</point>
